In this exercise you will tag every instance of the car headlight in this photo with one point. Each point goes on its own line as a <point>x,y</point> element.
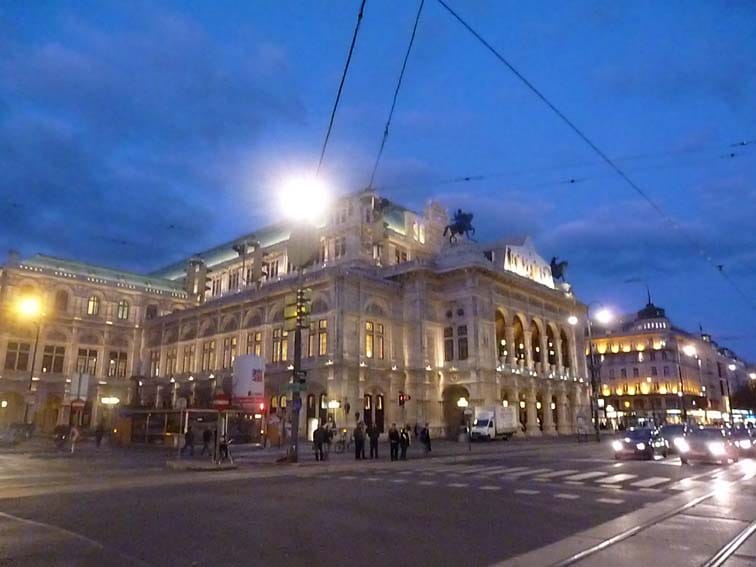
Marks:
<point>617,445</point>
<point>681,444</point>
<point>641,446</point>
<point>744,443</point>
<point>716,448</point>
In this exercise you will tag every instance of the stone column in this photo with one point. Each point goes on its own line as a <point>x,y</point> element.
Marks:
<point>532,429</point>
<point>548,416</point>
<point>544,353</point>
<point>558,351</point>
<point>565,426</point>
<point>158,392</point>
<point>511,351</point>
<point>528,349</point>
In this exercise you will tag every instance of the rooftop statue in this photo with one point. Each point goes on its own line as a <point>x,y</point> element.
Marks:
<point>558,269</point>
<point>461,225</point>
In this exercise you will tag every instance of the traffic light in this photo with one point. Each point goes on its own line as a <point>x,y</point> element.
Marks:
<point>402,398</point>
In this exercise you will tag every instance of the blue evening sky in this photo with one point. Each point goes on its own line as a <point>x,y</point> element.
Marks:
<point>135,133</point>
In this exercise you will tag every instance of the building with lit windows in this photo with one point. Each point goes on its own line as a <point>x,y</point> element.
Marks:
<point>396,309</point>
<point>652,370</point>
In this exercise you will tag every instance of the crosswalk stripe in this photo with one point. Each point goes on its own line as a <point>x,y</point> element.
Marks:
<point>399,480</point>
<point>373,479</point>
<point>494,470</point>
<point>557,473</point>
<point>526,472</point>
<point>490,487</point>
<point>610,500</point>
<point>476,469</point>
<point>526,491</point>
<point>515,469</point>
<point>650,481</point>
<point>686,484</point>
<point>567,496</point>
<point>427,482</point>
<point>614,479</point>
<point>586,475</point>
<point>458,484</point>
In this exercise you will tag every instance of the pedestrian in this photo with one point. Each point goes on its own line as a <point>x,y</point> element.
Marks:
<point>394,439</point>
<point>404,441</point>
<point>74,438</point>
<point>425,438</point>
<point>99,434</point>
<point>223,453</point>
<point>373,434</point>
<point>207,436</point>
<point>415,430</point>
<point>330,428</point>
<point>188,442</point>
<point>359,441</point>
<point>318,438</point>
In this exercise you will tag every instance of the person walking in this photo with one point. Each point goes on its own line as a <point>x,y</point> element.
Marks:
<point>404,442</point>
<point>329,430</point>
<point>359,441</point>
<point>373,434</point>
<point>394,439</point>
<point>318,438</point>
<point>425,439</point>
<point>74,438</point>
<point>99,434</point>
<point>207,436</point>
<point>188,442</point>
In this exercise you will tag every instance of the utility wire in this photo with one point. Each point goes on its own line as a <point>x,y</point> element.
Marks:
<point>341,86</point>
<point>396,94</point>
<point>599,152</point>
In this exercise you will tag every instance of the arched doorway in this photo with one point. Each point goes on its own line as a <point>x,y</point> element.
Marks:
<point>551,345</point>
<point>454,417</point>
<point>373,411</point>
<point>519,340</point>
<point>535,342</point>
<point>555,411</point>
<point>46,417</point>
<point>501,337</point>
<point>565,345</point>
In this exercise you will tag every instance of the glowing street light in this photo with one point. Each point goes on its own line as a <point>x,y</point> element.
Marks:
<point>689,350</point>
<point>572,320</point>
<point>462,403</point>
<point>604,316</point>
<point>29,307</point>
<point>732,367</point>
<point>304,198</point>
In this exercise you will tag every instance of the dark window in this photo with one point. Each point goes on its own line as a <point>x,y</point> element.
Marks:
<point>636,373</point>
<point>61,301</point>
<point>448,343</point>
<point>462,342</point>
<point>623,373</point>
<point>52,358</point>
<point>151,312</point>
<point>17,356</point>
<point>654,372</point>
<point>86,361</point>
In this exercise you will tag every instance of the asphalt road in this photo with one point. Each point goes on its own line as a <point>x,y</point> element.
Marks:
<point>472,509</point>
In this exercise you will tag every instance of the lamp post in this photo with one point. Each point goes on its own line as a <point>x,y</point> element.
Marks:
<point>603,316</point>
<point>30,308</point>
<point>731,367</point>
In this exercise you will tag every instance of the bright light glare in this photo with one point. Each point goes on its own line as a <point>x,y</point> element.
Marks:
<point>29,306</point>
<point>603,316</point>
<point>304,198</point>
<point>752,375</point>
<point>462,403</point>
<point>641,446</point>
<point>617,445</point>
<point>572,320</point>
<point>681,444</point>
<point>716,448</point>
<point>732,367</point>
<point>689,350</point>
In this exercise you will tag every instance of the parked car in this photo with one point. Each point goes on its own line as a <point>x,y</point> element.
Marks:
<point>708,444</point>
<point>673,431</point>
<point>744,441</point>
<point>641,442</point>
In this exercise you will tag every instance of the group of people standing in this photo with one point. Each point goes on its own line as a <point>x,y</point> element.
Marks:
<point>399,440</point>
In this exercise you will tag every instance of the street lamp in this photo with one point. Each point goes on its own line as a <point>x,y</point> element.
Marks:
<point>303,200</point>
<point>30,308</point>
<point>691,352</point>
<point>462,404</point>
<point>603,316</point>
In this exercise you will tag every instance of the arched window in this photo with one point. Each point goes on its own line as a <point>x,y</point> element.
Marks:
<point>282,402</point>
<point>123,310</point>
<point>93,305</point>
<point>519,339</point>
<point>535,344</point>
<point>151,312</point>
<point>61,301</point>
<point>565,349</point>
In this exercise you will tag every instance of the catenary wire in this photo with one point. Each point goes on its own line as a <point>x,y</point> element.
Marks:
<point>341,86</point>
<point>396,94</point>
<point>604,157</point>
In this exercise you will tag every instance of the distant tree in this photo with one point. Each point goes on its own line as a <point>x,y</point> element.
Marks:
<point>745,397</point>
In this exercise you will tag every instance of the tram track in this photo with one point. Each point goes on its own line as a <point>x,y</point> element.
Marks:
<point>716,560</point>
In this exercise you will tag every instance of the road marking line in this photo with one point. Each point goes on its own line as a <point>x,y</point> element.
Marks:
<point>348,477</point>
<point>489,487</point>
<point>372,479</point>
<point>650,490</point>
<point>586,475</point>
<point>651,481</point>
<point>566,496</point>
<point>574,483</point>
<point>686,484</point>
<point>406,472</point>
<point>428,473</point>
<point>458,484</point>
<point>516,469</point>
<point>527,472</point>
<point>476,469</point>
<point>398,480</point>
<point>610,500</point>
<point>614,479</point>
<point>526,491</point>
<point>427,482</point>
<point>556,474</point>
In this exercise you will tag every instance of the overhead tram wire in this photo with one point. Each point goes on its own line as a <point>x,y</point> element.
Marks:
<point>341,86</point>
<point>396,94</point>
<point>605,158</point>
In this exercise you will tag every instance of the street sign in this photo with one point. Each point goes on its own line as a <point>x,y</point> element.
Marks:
<point>296,387</point>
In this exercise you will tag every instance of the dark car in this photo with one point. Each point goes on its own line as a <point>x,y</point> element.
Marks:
<point>743,441</point>
<point>671,432</point>
<point>709,444</point>
<point>639,443</point>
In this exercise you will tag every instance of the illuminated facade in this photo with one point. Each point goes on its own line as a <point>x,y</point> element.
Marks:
<point>649,368</point>
<point>395,309</point>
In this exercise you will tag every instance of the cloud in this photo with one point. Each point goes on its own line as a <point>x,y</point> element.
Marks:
<point>123,139</point>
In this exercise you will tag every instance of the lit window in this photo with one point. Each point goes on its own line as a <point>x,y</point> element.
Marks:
<point>93,305</point>
<point>323,337</point>
<point>369,339</point>
<point>122,313</point>
<point>52,359</point>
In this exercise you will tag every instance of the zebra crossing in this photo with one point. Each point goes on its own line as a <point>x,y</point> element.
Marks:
<point>492,477</point>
